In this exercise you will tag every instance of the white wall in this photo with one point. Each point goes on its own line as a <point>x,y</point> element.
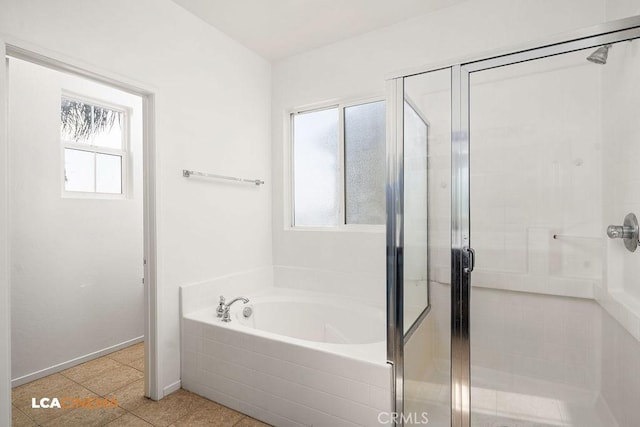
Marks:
<point>357,67</point>
<point>76,263</point>
<point>212,114</point>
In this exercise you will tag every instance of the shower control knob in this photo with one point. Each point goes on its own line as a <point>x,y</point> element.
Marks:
<point>618,232</point>
<point>629,232</point>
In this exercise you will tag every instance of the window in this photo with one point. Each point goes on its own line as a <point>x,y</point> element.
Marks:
<point>94,148</point>
<point>339,165</point>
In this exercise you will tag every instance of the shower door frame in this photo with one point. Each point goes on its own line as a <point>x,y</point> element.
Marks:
<point>462,258</point>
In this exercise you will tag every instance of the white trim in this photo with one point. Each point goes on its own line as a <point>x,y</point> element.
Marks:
<point>171,388</point>
<point>344,228</point>
<point>35,54</point>
<point>289,167</point>
<point>92,148</point>
<point>342,170</point>
<point>150,201</point>
<point>5,297</point>
<point>73,362</point>
<point>27,51</point>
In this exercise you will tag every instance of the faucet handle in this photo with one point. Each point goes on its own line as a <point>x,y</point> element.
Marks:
<point>226,316</point>
<point>221,307</point>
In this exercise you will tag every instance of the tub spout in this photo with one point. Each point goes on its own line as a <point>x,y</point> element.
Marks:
<point>226,315</point>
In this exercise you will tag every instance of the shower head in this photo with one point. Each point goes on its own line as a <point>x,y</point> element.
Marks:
<point>600,55</point>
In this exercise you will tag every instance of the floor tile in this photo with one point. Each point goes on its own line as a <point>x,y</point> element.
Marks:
<point>128,420</point>
<point>90,369</point>
<point>130,396</point>
<point>19,419</point>
<point>86,417</point>
<point>171,408</point>
<point>118,376</point>
<point>112,380</point>
<point>250,422</point>
<point>129,354</point>
<point>44,387</point>
<point>212,415</point>
<point>138,364</point>
<point>44,415</point>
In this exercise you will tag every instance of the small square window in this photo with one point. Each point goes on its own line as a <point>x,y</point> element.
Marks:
<point>94,143</point>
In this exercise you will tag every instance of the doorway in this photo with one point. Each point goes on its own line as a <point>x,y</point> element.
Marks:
<point>108,173</point>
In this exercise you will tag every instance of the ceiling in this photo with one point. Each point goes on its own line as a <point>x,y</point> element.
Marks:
<point>279,28</point>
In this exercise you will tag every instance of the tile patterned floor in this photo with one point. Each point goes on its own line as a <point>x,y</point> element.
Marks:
<point>117,375</point>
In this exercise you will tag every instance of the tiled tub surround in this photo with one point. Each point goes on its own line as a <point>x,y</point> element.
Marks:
<point>337,376</point>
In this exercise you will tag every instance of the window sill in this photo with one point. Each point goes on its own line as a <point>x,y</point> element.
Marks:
<point>376,229</point>
<point>90,196</point>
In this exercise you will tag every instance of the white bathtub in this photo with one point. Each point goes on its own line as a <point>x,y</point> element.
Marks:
<point>320,319</point>
<point>301,358</point>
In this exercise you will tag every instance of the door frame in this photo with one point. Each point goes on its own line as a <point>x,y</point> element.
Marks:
<point>462,258</point>
<point>37,55</point>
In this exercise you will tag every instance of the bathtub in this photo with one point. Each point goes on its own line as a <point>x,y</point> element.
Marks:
<point>300,358</point>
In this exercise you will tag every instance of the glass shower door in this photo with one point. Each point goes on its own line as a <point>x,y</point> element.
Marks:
<point>543,129</point>
<point>422,267</point>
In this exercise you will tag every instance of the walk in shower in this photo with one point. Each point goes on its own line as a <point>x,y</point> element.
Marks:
<point>508,170</point>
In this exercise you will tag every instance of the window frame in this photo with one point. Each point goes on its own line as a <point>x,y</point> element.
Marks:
<point>289,209</point>
<point>123,153</point>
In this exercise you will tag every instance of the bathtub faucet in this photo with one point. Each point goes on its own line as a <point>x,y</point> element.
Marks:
<point>226,315</point>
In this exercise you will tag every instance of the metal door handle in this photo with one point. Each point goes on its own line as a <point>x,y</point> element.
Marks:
<point>471,259</point>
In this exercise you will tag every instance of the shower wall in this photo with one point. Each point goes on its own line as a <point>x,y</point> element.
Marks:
<point>620,293</point>
<point>620,137</point>
<point>620,371</point>
<point>536,173</point>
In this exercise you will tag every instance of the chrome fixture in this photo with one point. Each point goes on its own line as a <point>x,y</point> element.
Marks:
<point>600,55</point>
<point>628,231</point>
<point>247,312</point>
<point>187,173</point>
<point>226,315</point>
<point>220,309</point>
